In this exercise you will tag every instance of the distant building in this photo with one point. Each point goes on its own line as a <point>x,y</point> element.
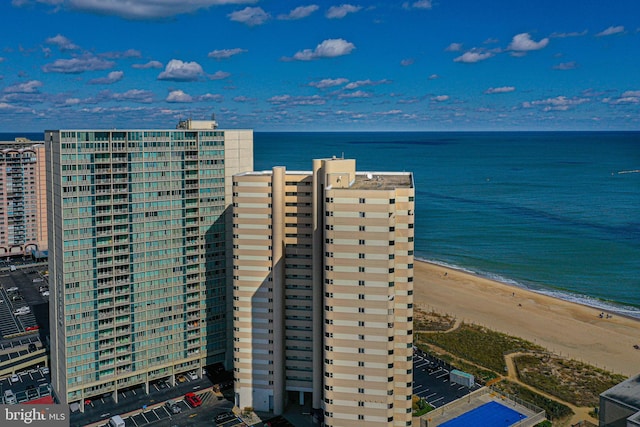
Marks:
<point>23,214</point>
<point>620,405</point>
<point>323,292</point>
<point>138,254</point>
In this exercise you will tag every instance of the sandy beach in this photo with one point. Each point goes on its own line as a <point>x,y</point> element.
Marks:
<point>565,328</point>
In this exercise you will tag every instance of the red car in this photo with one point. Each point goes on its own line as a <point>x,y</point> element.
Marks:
<point>193,399</point>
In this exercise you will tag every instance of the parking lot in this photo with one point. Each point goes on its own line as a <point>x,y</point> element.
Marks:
<point>431,381</point>
<point>26,386</point>
<point>22,292</point>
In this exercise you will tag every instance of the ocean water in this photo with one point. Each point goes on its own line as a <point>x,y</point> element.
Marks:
<point>554,212</point>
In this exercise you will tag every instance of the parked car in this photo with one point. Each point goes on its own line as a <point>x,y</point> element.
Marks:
<point>14,378</point>
<point>173,406</point>
<point>22,311</point>
<point>32,347</point>
<point>38,280</point>
<point>44,370</point>
<point>10,398</point>
<point>192,375</point>
<point>225,416</point>
<point>12,289</point>
<point>45,293</point>
<point>193,399</point>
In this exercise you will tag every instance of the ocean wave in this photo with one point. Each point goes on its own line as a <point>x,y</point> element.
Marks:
<point>581,299</point>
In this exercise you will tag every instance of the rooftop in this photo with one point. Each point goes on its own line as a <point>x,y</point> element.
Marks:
<point>627,392</point>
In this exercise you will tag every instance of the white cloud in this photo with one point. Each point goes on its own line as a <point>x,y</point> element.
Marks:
<point>111,78</point>
<point>225,53</point>
<point>559,103</point>
<point>150,64</point>
<point>440,98</point>
<point>77,65</point>
<point>356,94</point>
<point>129,53</point>
<point>178,96</point>
<point>329,48</point>
<point>503,89</point>
<point>135,95</point>
<point>211,97</point>
<point>473,56</point>
<point>326,83</point>
<point>454,47</point>
<point>296,100</point>
<point>27,87</point>
<point>566,66</point>
<point>299,12</point>
<point>407,62</point>
<point>571,34</point>
<point>611,31</point>
<point>219,75</point>
<point>138,9</point>
<point>627,97</point>
<point>361,83</point>
<point>433,77</point>
<point>339,12</point>
<point>523,43</point>
<point>244,99</point>
<point>420,4</point>
<point>179,71</point>
<point>62,42</point>
<point>250,16</point>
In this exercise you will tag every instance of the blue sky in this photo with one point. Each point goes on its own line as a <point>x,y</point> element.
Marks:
<point>304,66</point>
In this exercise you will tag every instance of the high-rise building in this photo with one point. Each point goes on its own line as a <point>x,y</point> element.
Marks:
<point>23,214</point>
<point>323,292</point>
<point>137,253</point>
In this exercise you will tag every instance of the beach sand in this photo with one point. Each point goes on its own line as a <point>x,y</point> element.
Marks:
<point>565,328</point>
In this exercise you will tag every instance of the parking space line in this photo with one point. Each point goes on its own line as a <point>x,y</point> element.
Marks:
<point>434,401</point>
<point>443,375</point>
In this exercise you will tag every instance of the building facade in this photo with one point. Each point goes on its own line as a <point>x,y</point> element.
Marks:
<point>23,214</point>
<point>137,253</point>
<point>323,292</point>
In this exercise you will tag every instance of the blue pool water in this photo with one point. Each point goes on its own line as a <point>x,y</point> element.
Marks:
<point>490,414</point>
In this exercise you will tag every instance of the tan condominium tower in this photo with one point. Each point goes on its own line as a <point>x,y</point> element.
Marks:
<point>138,254</point>
<point>23,213</point>
<point>323,292</point>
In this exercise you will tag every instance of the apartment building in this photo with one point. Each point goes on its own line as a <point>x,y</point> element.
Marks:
<point>323,292</point>
<point>137,253</point>
<point>23,214</point>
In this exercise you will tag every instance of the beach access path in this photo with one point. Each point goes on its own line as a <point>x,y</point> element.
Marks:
<point>568,329</point>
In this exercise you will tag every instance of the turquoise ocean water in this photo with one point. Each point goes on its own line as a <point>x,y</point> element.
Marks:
<point>555,212</point>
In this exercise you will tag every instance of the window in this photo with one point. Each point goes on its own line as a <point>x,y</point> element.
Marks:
<point>360,390</point>
<point>360,256</point>
<point>361,242</point>
<point>361,350</point>
<point>361,403</point>
<point>361,323</point>
<point>362,200</point>
<point>360,309</point>
<point>360,363</point>
<point>360,417</point>
<point>361,214</point>
<point>392,201</point>
<point>360,282</point>
<point>361,337</point>
<point>360,296</point>
<point>360,269</point>
<point>361,228</point>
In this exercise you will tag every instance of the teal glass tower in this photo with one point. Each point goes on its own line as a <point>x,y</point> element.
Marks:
<point>138,254</point>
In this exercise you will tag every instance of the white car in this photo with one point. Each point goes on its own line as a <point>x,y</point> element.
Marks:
<point>22,310</point>
<point>15,378</point>
<point>38,280</point>
<point>44,370</point>
<point>12,289</point>
<point>45,293</point>
<point>192,375</point>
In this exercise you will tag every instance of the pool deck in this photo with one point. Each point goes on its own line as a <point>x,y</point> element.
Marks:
<point>474,400</point>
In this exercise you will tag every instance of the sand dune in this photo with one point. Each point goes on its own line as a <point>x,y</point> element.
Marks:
<point>566,328</point>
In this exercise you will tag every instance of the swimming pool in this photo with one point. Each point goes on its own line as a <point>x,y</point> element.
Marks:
<point>490,414</point>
